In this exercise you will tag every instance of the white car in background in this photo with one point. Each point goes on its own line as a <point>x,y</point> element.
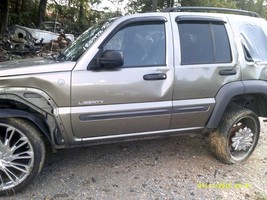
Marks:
<point>39,35</point>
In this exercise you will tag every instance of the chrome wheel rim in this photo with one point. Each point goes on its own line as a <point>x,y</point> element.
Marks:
<point>243,138</point>
<point>16,157</point>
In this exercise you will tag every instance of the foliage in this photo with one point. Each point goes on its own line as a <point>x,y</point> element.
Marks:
<point>258,6</point>
<point>80,14</point>
<point>208,3</point>
<point>77,15</point>
<point>23,12</point>
<point>146,5</point>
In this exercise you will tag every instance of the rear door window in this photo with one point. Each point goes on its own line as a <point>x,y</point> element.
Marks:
<point>204,43</point>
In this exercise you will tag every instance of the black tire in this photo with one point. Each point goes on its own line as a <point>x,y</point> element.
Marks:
<point>22,154</point>
<point>237,125</point>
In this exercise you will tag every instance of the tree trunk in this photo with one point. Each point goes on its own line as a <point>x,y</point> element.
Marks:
<point>18,12</point>
<point>23,9</point>
<point>154,5</point>
<point>41,12</point>
<point>81,12</point>
<point>170,3</point>
<point>4,12</point>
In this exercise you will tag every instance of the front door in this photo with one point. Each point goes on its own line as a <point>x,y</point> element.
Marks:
<point>133,99</point>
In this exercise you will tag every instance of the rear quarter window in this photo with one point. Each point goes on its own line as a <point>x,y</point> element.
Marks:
<point>255,41</point>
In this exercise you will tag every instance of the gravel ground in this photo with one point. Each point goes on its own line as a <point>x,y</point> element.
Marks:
<point>173,168</point>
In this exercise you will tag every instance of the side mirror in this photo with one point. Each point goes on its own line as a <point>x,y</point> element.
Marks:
<point>110,59</point>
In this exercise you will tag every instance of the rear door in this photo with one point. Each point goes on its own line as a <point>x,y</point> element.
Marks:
<point>205,60</point>
<point>134,99</point>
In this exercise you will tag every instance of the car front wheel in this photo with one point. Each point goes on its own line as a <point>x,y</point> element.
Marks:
<point>22,154</point>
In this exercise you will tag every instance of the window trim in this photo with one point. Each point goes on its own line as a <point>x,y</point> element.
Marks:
<point>128,22</point>
<point>191,18</point>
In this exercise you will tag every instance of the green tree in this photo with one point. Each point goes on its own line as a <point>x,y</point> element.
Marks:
<point>23,12</point>
<point>4,12</point>
<point>150,5</point>
<point>261,8</point>
<point>258,6</point>
<point>77,15</point>
<point>41,12</point>
<point>208,3</point>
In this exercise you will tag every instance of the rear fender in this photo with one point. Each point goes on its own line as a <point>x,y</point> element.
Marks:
<point>231,90</point>
<point>222,99</point>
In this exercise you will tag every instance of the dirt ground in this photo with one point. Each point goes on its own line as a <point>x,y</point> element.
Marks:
<point>173,168</point>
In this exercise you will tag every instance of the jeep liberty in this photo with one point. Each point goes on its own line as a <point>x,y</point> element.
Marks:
<point>182,70</point>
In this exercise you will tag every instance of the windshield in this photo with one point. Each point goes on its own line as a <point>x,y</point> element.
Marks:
<point>84,41</point>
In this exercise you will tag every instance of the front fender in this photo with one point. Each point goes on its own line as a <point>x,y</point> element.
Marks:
<point>8,113</point>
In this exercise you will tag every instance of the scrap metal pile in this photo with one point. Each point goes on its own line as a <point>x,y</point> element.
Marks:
<point>23,42</point>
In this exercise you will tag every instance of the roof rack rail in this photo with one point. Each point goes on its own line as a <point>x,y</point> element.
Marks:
<point>205,9</point>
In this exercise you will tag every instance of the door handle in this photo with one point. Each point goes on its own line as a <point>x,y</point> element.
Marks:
<point>156,76</point>
<point>228,72</point>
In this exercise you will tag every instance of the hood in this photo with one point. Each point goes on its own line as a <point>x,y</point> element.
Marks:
<point>33,66</point>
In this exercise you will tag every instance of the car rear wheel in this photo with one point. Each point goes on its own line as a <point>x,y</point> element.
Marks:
<point>22,154</point>
<point>237,135</point>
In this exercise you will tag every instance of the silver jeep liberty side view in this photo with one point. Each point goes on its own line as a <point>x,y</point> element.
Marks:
<point>185,69</point>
